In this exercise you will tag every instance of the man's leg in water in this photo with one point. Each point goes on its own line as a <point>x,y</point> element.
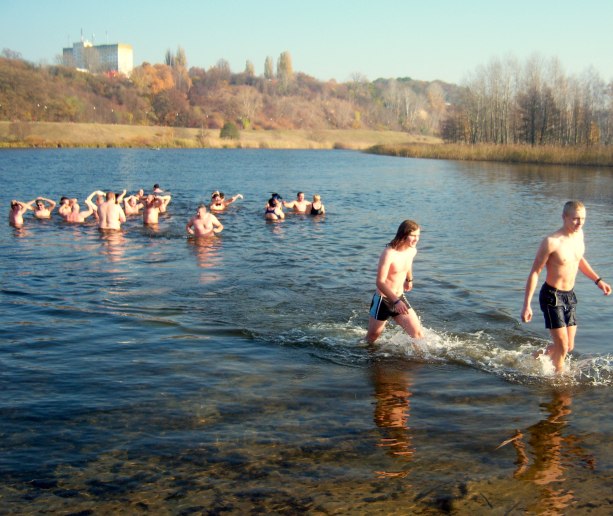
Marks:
<point>375,329</point>
<point>563,342</point>
<point>410,323</point>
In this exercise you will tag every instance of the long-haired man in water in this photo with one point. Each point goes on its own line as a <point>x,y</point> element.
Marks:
<point>561,253</point>
<point>394,277</point>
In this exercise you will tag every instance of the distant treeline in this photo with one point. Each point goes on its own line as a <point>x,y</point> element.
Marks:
<point>500,103</point>
<point>172,95</point>
<point>535,103</point>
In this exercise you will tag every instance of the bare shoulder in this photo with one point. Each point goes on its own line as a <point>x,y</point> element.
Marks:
<point>387,253</point>
<point>397,256</point>
<point>552,242</point>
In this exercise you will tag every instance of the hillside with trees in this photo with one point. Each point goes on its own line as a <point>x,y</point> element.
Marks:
<point>503,102</point>
<point>171,94</point>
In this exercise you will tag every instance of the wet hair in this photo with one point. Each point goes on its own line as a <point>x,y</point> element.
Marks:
<point>276,196</point>
<point>404,231</point>
<point>156,186</point>
<point>272,202</point>
<point>64,198</point>
<point>299,193</point>
<point>571,206</point>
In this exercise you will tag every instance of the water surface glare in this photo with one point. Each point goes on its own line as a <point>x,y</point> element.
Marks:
<point>145,372</point>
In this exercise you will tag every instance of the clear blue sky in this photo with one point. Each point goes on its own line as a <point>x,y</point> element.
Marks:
<point>331,39</point>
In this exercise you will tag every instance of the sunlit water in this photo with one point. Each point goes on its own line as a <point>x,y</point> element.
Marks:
<point>143,371</point>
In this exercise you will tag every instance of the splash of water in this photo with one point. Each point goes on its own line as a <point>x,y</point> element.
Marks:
<point>479,350</point>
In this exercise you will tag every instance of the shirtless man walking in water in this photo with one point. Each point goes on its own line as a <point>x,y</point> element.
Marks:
<point>394,277</point>
<point>110,214</point>
<point>561,253</point>
<point>203,224</point>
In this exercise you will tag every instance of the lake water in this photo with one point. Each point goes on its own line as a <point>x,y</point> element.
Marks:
<point>143,372</point>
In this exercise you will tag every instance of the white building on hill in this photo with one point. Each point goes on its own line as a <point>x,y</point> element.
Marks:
<point>83,55</point>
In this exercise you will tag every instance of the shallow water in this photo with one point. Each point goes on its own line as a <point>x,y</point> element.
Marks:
<point>145,372</point>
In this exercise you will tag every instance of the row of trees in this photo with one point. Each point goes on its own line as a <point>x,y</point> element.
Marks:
<point>172,94</point>
<point>534,103</point>
<point>502,102</point>
<point>286,99</point>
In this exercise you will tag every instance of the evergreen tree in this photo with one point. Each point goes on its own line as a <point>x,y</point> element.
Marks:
<point>268,71</point>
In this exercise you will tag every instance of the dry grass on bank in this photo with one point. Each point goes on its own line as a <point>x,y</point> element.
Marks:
<point>61,134</point>
<point>546,155</point>
<point>391,143</point>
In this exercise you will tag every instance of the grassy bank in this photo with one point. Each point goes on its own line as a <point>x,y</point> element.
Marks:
<point>390,143</point>
<point>546,155</point>
<point>60,134</point>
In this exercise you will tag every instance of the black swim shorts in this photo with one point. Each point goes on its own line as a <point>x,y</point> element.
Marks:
<point>381,308</point>
<point>558,307</point>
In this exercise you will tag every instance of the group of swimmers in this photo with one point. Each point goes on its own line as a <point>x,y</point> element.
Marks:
<point>110,209</point>
<point>274,207</point>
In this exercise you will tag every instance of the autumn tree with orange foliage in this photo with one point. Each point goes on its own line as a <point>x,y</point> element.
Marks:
<point>153,79</point>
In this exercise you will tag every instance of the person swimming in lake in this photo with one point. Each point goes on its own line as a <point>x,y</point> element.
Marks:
<point>151,211</point>
<point>316,207</point>
<point>273,210</point>
<point>40,209</point>
<point>76,215</point>
<point>299,205</point>
<point>203,224</point>
<point>110,213</point>
<point>64,208</point>
<point>16,213</point>
<point>219,201</point>
<point>165,202</point>
<point>132,205</point>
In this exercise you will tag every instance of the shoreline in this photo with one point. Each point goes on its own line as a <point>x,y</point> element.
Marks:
<point>593,156</point>
<point>47,135</point>
<point>91,135</point>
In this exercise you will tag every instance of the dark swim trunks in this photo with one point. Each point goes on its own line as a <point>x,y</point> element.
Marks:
<point>558,307</point>
<point>382,308</point>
